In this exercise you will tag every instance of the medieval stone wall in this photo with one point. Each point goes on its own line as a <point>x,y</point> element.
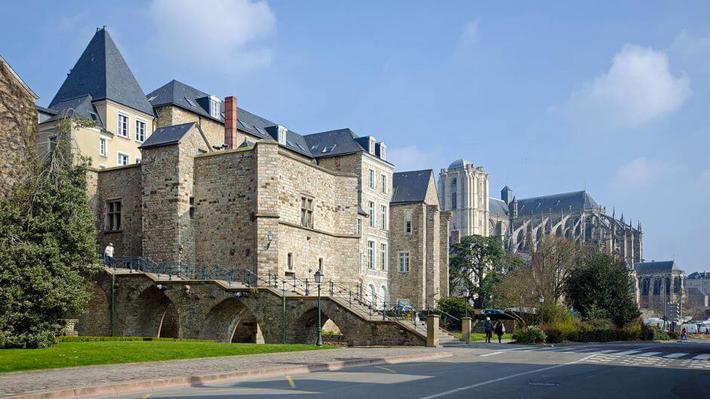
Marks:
<point>409,286</point>
<point>121,183</point>
<point>432,255</point>
<point>18,129</point>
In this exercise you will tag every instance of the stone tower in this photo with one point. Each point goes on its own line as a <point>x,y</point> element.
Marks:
<point>463,190</point>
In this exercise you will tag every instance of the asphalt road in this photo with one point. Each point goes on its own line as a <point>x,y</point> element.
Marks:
<point>680,370</point>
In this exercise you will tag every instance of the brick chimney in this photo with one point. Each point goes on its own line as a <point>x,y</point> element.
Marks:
<point>230,122</point>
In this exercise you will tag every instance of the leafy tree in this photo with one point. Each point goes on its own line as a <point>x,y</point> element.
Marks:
<point>47,248</point>
<point>471,260</point>
<point>602,287</point>
<point>552,262</point>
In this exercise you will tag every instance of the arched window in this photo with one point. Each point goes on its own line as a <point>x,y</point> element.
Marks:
<point>382,297</point>
<point>370,296</point>
<point>453,193</point>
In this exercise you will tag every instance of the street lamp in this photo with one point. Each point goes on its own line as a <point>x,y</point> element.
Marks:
<point>465,304</point>
<point>319,280</point>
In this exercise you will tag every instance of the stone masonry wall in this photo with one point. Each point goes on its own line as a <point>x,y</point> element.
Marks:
<point>225,215</point>
<point>122,183</point>
<point>213,130</point>
<point>191,145</point>
<point>444,220</point>
<point>432,256</point>
<point>409,286</point>
<point>18,129</point>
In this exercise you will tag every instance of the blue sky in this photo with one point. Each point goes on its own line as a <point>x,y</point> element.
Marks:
<point>549,97</point>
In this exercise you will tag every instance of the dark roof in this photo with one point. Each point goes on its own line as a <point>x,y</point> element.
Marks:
<point>497,207</point>
<point>411,186</point>
<point>334,142</point>
<point>167,135</point>
<point>655,267</point>
<point>102,73</point>
<point>698,276</point>
<point>566,202</point>
<point>186,97</point>
<point>81,107</point>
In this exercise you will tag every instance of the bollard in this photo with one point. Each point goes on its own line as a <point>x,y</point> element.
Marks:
<point>432,330</point>
<point>466,329</point>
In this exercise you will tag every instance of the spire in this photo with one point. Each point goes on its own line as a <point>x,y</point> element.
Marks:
<point>102,73</point>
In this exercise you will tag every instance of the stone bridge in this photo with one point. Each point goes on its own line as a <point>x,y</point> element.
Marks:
<point>152,305</point>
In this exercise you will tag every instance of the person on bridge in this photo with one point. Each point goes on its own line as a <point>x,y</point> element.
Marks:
<point>108,254</point>
<point>488,328</point>
<point>500,330</point>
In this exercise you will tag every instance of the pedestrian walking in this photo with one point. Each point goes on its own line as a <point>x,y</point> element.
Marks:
<point>684,334</point>
<point>488,328</point>
<point>108,254</point>
<point>500,330</point>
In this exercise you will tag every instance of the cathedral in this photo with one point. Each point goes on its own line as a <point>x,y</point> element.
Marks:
<point>522,223</point>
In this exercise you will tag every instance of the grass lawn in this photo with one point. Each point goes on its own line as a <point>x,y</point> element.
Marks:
<point>68,354</point>
<point>480,337</point>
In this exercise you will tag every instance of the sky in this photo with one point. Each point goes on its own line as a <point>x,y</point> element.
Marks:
<point>547,96</point>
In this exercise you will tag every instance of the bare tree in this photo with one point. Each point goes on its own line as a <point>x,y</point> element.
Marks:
<point>552,262</point>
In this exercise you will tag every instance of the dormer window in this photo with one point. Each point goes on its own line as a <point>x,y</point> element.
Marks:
<point>282,135</point>
<point>215,104</point>
<point>371,148</point>
<point>383,151</point>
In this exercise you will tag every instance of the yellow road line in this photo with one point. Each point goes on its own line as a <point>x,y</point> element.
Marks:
<point>290,382</point>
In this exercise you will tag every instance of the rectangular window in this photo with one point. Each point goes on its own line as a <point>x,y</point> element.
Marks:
<point>122,125</point>
<point>122,158</point>
<point>408,224</point>
<point>359,226</point>
<point>384,183</point>
<point>372,214</point>
<point>404,262</point>
<point>383,256</point>
<point>371,180</point>
<point>371,255</point>
<point>215,108</point>
<point>113,215</point>
<point>383,216</point>
<point>103,146</point>
<point>453,200</point>
<point>192,208</point>
<point>289,262</point>
<point>140,131</point>
<point>307,212</point>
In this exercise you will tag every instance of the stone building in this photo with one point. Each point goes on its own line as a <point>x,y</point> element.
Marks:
<point>344,151</point>
<point>698,290</point>
<point>18,126</point>
<point>463,190</point>
<point>660,283</point>
<point>100,88</point>
<point>419,241</point>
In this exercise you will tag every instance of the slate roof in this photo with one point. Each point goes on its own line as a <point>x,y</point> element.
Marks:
<point>167,135</point>
<point>497,207</point>
<point>102,73</point>
<point>333,142</point>
<point>411,186</point>
<point>655,267</point>
<point>698,276</point>
<point>566,202</point>
<point>184,96</point>
<point>81,107</point>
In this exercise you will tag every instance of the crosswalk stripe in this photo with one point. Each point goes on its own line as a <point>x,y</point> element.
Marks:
<point>675,355</point>
<point>607,351</point>
<point>647,354</point>
<point>624,353</point>
<point>705,356</point>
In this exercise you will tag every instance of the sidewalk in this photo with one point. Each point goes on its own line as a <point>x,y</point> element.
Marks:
<point>109,379</point>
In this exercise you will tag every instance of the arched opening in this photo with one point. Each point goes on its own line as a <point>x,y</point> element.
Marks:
<point>306,328</point>
<point>382,303</point>
<point>370,295</point>
<point>154,315</point>
<point>231,321</point>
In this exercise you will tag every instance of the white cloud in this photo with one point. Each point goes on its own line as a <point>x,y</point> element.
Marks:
<point>468,40</point>
<point>412,158</point>
<point>689,45</point>
<point>638,88</point>
<point>640,172</point>
<point>220,34</point>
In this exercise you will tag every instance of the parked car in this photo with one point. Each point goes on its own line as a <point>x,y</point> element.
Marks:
<point>690,328</point>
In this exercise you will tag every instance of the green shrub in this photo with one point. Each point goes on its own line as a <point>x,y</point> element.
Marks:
<point>529,335</point>
<point>630,332</point>
<point>595,331</point>
<point>553,313</point>
<point>455,306</point>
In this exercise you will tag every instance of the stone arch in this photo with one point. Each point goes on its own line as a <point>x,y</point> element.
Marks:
<point>306,326</point>
<point>231,321</point>
<point>370,294</point>
<point>382,295</point>
<point>153,314</point>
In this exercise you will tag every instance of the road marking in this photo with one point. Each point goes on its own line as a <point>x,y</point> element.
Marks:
<point>647,354</point>
<point>290,382</point>
<point>607,351</point>
<point>631,352</point>
<point>544,384</point>
<point>675,355</point>
<point>705,356</point>
<point>445,393</point>
<point>491,354</point>
<point>386,369</point>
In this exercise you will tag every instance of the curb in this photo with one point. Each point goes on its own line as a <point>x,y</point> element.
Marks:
<point>174,382</point>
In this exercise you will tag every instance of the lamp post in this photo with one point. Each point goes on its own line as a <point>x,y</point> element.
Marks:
<point>319,279</point>
<point>465,304</point>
